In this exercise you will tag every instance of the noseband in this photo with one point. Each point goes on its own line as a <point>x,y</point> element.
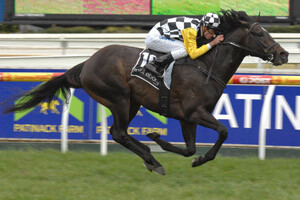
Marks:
<point>266,55</point>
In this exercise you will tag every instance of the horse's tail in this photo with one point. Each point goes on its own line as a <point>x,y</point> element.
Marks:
<point>46,92</point>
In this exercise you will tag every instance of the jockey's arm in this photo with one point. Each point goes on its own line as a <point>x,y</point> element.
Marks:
<point>190,43</point>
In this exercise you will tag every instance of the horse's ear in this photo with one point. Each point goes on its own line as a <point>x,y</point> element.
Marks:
<point>257,18</point>
<point>243,22</point>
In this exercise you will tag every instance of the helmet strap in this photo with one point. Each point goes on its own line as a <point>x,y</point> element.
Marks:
<point>201,31</point>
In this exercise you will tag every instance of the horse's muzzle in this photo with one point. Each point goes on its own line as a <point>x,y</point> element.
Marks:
<point>281,57</point>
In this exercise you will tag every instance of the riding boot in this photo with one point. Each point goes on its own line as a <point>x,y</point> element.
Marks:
<point>159,64</point>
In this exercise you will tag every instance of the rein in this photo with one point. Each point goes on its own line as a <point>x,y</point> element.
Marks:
<point>269,56</point>
<point>211,68</point>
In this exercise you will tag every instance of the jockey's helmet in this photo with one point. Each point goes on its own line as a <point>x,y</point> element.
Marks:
<point>211,20</point>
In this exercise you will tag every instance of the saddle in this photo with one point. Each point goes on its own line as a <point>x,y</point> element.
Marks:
<point>141,72</point>
<point>160,83</point>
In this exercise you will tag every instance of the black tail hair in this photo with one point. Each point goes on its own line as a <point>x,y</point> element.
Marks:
<point>47,91</point>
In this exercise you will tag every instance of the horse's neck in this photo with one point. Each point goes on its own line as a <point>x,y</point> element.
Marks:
<point>234,58</point>
<point>227,61</point>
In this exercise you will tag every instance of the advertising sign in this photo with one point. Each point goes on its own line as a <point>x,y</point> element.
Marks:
<point>196,7</point>
<point>104,7</point>
<point>1,11</point>
<point>144,13</point>
<point>239,109</point>
<point>44,121</point>
<point>150,7</point>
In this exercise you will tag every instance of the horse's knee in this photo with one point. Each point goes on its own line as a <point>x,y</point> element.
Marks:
<point>118,136</point>
<point>223,132</point>
<point>223,135</point>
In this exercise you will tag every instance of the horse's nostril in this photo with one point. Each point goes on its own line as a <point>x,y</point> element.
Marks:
<point>284,54</point>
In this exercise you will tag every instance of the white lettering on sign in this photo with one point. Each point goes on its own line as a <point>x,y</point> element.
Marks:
<point>255,80</point>
<point>283,106</point>
<point>224,101</point>
<point>248,107</point>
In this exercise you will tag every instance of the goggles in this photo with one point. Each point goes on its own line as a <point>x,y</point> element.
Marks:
<point>211,31</point>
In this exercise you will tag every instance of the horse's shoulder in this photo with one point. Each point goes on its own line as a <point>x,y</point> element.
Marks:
<point>190,62</point>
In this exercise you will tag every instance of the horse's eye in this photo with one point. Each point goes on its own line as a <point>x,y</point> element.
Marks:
<point>260,34</point>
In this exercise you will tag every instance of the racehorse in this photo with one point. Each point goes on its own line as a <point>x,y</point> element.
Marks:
<point>195,89</point>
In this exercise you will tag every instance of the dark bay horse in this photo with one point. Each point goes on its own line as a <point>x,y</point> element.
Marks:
<point>105,76</point>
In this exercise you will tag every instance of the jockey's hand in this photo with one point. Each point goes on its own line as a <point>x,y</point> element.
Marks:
<point>217,40</point>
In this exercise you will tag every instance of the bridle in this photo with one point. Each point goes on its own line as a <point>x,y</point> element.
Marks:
<point>266,55</point>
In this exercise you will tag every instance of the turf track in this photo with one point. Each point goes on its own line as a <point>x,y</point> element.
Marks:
<point>49,174</point>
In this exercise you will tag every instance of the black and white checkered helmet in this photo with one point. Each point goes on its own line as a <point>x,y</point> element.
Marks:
<point>211,20</point>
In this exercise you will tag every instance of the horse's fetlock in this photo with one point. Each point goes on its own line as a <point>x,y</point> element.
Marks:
<point>209,156</point>
<point>190,152</point>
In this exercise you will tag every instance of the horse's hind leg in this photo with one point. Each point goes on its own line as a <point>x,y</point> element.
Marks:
<point>189,135</point>
<point>119,133</point>
<point>134,108</point>
<point>209,121</point>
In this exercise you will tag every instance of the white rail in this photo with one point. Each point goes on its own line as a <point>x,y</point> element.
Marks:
<point>290,41</point>
<point>62,51</point>
<point>64,44</point>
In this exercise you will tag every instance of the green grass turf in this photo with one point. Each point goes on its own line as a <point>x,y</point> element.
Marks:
<point>49,174</point>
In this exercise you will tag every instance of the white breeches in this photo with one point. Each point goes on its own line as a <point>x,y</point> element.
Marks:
<point>157,42</point>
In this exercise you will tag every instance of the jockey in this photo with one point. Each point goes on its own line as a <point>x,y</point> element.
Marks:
<point>177,37</point>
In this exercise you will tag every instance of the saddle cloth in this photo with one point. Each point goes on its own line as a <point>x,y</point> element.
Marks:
<point>139,70</point>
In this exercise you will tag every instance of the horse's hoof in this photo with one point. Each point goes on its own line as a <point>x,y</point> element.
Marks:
<point>148,166</point>
<point>198,161</point>
<point>153,136</point>
<point>151,168</point>
<point>160,170</point>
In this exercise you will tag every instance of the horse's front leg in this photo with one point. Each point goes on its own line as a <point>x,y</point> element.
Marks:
<point>209,121</point>
<point>189,135</point>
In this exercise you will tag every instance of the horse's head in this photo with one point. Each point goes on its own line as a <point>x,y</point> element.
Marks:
<point>263,45</point>
<point>249,36</point>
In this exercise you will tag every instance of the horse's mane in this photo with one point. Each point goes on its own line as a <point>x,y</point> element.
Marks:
<point>231,19</point>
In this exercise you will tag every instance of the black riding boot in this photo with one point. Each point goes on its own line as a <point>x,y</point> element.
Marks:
<point>158,65</point>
